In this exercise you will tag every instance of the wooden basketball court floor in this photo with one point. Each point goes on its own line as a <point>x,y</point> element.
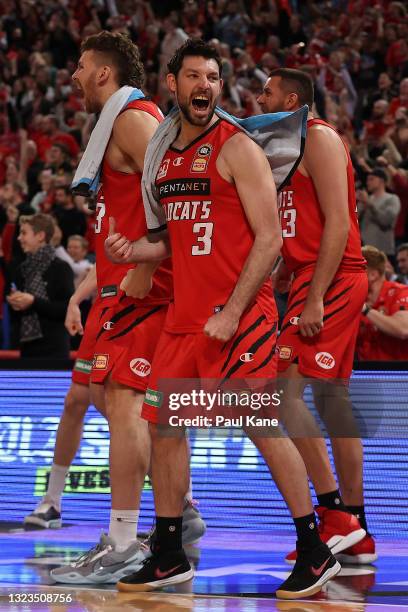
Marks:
<point>236,570</point>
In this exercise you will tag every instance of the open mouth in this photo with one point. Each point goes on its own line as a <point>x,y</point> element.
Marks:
<point>200,103</point>
<point>79,91</point>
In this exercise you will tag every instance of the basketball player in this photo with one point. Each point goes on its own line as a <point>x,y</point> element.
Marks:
<point>128,327</point>
<point>322,249</point>
<point>48,512</point>
<point>224,238</point>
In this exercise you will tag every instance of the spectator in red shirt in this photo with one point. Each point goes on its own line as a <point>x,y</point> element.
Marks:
<point>401,100</point>
<point>50,134</point>
<point>383,333</point>
<point>379,123</point>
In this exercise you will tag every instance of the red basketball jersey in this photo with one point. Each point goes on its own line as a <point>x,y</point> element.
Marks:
<point>372,344</point>
<point>209,234</point>
<point>120,196</point>
<point>302,221</point>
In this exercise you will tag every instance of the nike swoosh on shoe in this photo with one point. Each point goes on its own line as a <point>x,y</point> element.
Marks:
<point>317,571</point>
<point>159,574</point>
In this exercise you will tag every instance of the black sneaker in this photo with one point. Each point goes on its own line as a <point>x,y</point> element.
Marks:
<point>158,571</point>
<point>193,526</point>
<point>312,570</point>
<point>45,515</point>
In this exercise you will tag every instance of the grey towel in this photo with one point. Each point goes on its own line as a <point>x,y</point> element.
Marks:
<point>280,135</point>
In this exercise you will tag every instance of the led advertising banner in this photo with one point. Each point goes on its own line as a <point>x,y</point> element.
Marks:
<point>230,479</point>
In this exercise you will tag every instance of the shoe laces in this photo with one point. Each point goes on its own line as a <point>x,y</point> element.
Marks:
<point>147,543</point>
<point>87,556</point>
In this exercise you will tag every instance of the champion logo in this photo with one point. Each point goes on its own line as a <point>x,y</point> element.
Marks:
<point>140,366</point>
<point>247,357</point>
<point>325,360</point>
<point>108,325</point>
<point>318,571</point>
<point>294,321</point>
<point>178,161</point>
<point>159,574</point>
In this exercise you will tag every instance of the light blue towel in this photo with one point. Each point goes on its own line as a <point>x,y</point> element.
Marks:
<point>280,135</point>
<point>86,179</point>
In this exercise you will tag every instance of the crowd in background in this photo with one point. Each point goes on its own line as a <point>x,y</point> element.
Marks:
<point>355,50</point>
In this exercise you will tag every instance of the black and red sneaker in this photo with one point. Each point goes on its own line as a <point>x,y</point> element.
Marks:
<point>312,570</point>
<point>158,571</point>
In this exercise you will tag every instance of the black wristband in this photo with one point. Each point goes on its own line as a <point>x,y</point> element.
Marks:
<point>366,309</point>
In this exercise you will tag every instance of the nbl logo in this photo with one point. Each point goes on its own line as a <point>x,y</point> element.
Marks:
<point>204,150</point>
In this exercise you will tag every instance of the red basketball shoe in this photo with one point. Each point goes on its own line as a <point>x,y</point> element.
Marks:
<point>361,553</point>
<point>339,530</point>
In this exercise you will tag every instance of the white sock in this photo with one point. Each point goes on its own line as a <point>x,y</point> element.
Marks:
<point>189,495</point>
<point>123,528</point>
<point>56,485</point>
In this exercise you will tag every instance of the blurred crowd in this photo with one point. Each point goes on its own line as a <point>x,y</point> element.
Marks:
<point>355,50</point>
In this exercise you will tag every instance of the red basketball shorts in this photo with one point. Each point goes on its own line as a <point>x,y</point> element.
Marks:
<point>125,342</point>
<point>83,364</point>
<point>330,353</point>
<point>251,353</point>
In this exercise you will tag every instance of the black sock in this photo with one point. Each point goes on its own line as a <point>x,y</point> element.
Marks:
<point>169,532</point>
<point>332,501</point>
<point>307,533</point>
<point>358,512</point>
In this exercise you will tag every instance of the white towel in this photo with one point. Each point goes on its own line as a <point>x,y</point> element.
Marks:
<point>86,179</point>
<point>280,135</point>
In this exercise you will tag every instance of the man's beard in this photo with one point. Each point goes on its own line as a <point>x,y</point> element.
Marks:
<point>92,106</point>
<point>199,122</point>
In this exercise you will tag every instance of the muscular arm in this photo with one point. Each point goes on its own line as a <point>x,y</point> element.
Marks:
<point>132,133</point>
<point>325,161</point>
<point>243,162</point>
<point>395,325</point>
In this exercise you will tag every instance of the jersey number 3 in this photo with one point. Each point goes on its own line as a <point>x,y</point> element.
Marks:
<point>100,213</point>
<point>288,222</point>
<point>204,231</point>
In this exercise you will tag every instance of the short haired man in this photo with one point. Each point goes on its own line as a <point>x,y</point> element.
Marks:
<point>322,249</point>
<point>378,212</point>
<point>402,263</point>
<point>224,238</point>
<point>383,333</point>
<point>121,331</point>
